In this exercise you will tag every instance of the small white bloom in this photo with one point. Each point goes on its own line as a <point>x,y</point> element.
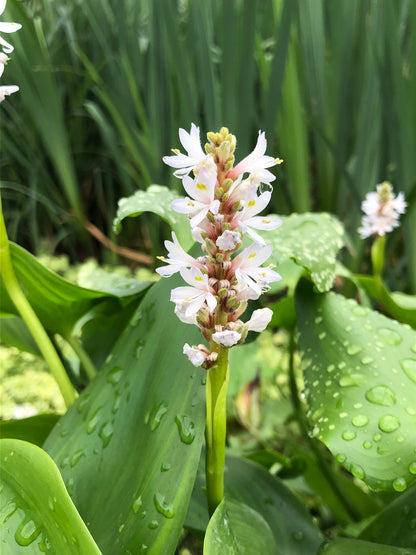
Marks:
<point>247,269</point>
<point>256,160</point>
<point>3,61</point>
<point>196,294</point>
<point>229,240</point>
<point>227,338</point>
<point>260,319</point>
<point>7,90</point>
<point>196,356</point>
<point>180,311</point>
<point>192,145</point>
<point>7,28</point>
<point>177,259</point>
<point>381,211</point>
<point>248,220</point>
<point>201,189</point>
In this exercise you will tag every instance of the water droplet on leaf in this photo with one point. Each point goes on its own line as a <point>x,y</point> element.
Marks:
<point>360,420</point>
<point>409,367</point>
<point>349,435</point>
<point>114,376</point>
<point>186,428</point>
<point>164,508</point>
<point>381,395</point>
<point>399,484</point>
<point>388,423</point>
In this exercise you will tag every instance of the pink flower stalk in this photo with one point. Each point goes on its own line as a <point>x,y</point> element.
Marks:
<point>222,208</point>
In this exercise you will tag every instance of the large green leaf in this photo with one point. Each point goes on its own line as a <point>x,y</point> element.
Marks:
<point>396,523</point>
<point>37,514</point>
<point>156,199</point>
<point>129,447</point>
<point>360,376</point>
<point>252,485</point>
<point>236,528</point>
<point>312,241</point>
<point>15,333</point>
<point>358,547</point>
<point>58,303</point>
<point>34,429</point>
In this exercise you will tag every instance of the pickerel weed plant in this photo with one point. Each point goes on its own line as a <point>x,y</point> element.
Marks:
<point>222,207</point>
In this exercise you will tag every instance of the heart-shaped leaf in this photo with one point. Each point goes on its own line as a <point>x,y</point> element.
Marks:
<point>37,514</point>
<point>312,241</point>
<point>236,528</point>
<point>396,523</point>
<point>360,376</point>
<point>128,449</point>
<point>157,199</point>
<point>252,485</point>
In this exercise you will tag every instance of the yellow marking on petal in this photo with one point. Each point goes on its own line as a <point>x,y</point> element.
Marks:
<point>175,150</point>
<point>190,203</point>
<point>266,220</point>
<point>201,186</point>
<point>263,274</point>
<point>198,278</point>
<point>253,255</point>
<point>272,266</point>
<point>251,203</point>
<point>162,258</point>
<point>278,160</point>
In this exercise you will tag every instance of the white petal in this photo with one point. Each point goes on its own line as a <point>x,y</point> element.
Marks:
<point>227,338</point>
<point>260,319</point>
<point>228,240</point>
<point>196,356</point>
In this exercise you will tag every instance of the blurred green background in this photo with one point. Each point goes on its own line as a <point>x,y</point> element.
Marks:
<point>105,85</point>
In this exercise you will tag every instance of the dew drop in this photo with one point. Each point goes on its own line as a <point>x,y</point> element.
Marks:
<point>138,348</point>
<point>412,467</point>
<point>106,433</point>
<point>93,421</point>
<point>203,380</point>
<point>359,311</point>
<point>381,395</point>
<point>322,335</point>
<point>298,535</point>
<point>164,508</point>
<point>116,402</point>
<point>409,367</point>
<point>377,437</point>
<point>389,336</point>
<point>143,548</point>
<point>26,533</point>
<point>318,319</point>
<point>331,368</point>
<point>367,360</point>
<point>399,484</point>
<point>137,503</point>
<point>367,444</point>
<point>348,435</point>
<point>82,402</point>
<point>360,420</point>
<point>165,467</point>
<point>70,485</point>
<point>186,428</point>
<point>351,380</point>
<point>160,411</point>
<point>76,457</point>
<point>414,348</point>
<point>153,524</point>
<point>411,411</point>
<point>341,458</point>
<point>354,350</point>
<point>114,376</point>
<point>388,423</point>
<point>357,471</point>
<point>7,511</point>
<point>121,528</point>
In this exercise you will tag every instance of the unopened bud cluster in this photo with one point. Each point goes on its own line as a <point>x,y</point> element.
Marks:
<point>222,207</point>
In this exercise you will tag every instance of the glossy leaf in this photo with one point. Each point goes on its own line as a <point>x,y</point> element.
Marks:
<point>360,377</point>
<point>14,333</point>
<point>236,528</point>
<point>37,514</point>
<point>312,241</point>
<point>156,199</point>
<point>358,547</point>
<point>249,483</point>
<point>396,523</point>
<point>34,429</point>
<point>129,448</point>
<point>58,303</point>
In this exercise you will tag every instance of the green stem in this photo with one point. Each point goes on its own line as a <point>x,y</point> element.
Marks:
<point>215,430</point>
<point>83,356</point>
<point>377,256</point>
<point>30,318</point>
<point>315,448</point>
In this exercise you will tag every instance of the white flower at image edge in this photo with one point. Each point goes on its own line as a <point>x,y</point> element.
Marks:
<point>381,215</point>
<point>227,338</point>
<point>7,90</point>
<point>192,144</point>
<point>259,319</point>
<point>194,296</point>
<point>196,356</point>
<point>7,28</point>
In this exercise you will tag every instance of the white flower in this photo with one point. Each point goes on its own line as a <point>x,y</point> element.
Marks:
<point>381,211</point>
<point>247,268</point>
<point>192,145</point>
<point>180,311</point>
<point>194,296</point>
<point>7,90</point>
<point>196,356</point>
<point>177,259</point>
<point>201,189</point>
<point>227,338</point>
<point>229,240</point>
<point>247,219</point>
<point>7,28</point>
<point>259,319</point>
<point>256,160</point>
<point>3,61</point>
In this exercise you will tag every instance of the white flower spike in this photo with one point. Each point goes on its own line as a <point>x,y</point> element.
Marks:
<point>7,28</point>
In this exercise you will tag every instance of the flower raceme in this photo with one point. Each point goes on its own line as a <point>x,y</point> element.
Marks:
<point>223,204</point>
<point>381,211</point>
<point>6,27</point>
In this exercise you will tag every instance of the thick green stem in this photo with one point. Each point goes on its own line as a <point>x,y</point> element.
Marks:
<point>323,464</point>
<point>32,321</point>
<point>83,356</point>
<point>377,256</point>
<point>215,430</point>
